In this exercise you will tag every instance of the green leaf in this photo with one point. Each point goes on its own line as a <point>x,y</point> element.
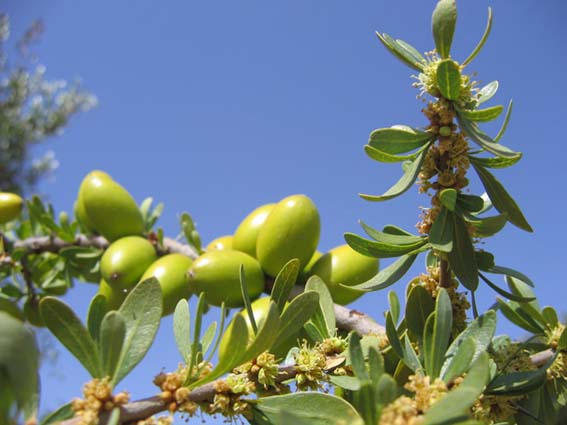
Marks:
<point>504,293</point>
<point>97,310</point>
<point>482,115</point>
<point>443,23</point>
<point>142,310</point>
<point>437,341</point>
<point>460,362</point>
<point>448,198</point>
<point>487,92</point>
<point>394,303</point>
<point>393,337</point>
<point>61,414</point>
<point>312,407</point>
<point>410,356</point>
<point>470,203</point>
<point>388,276</point>
<point>505,123</point>
<point>398,139</point>
<point>114,418</point>
<point>196,348</point>
<point>298,311</point>
<point>512,273</point>
<point>375,365</point>
<point>284,283</point>
<point>441,234</point>
<point>487,226</point>
<point>19,364</point>
<point>483,140</point>
<point>519,383</point>
<point>247,302</point>
<point>381,156</point>
<point>481,330</point>
<point>550,316</point>
<point>326,310</point>
<point>483,39</point>
<point>419,306</point>
<point>266,336</point>
<point>182,329</point>
<point>562,341</point>
<point>500,198</point>
<point>68,329</point>
<point>462,257</point>
<point>380,249</point>
<point>208,336</point>
<point>112,335</point>
<point>350,383</point>
<point>514,314</point>
<point>401,51</point>
<point>387,390</point>
<point>449,79</point>
<point>357,359</point>
<point>389,238</point>
<point>495,162</point>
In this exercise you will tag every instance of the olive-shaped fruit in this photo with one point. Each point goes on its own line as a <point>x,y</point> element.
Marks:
<point>343,265</point>
<point>114,296</point>
<point>306,272</point>
<point>110,209</point>
<point>290,231</point>
<point>79,207</point>
<point>11,308</point>
<point>246,233</point>
<point>125,261</point>
<point>217,274</point>
<point>172,273</point>
<point>221,243</point>
<point>10,206</point>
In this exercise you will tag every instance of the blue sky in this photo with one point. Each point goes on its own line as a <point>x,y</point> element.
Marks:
<point>218,107</point>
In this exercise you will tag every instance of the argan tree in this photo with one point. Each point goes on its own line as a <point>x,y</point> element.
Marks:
<point>297,356</point>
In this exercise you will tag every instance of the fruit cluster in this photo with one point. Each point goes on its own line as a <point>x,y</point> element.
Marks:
<point>263,243</point>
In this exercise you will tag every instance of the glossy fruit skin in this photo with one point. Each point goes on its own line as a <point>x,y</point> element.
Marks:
<point>114,296</point>
<point>217,274</point>
<point>246,233</point>
<point>291,231</point>
<point>343,265</point>
<point>306,272</point>
<point>10,206</point>
<point>125,261</point>
<point>220,243</point>
<point>109,208</point>
<point>171,271</point>
<point>79,207</point>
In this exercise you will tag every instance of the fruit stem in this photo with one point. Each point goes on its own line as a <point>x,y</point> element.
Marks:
<point>444,274</point>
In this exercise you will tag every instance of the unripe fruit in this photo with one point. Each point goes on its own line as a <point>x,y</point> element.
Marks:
<point>79,207</point>
<point>126,260</point>
<point>343,265</point>
<point>217,274</point>
<point>10,206</point>
<point>109,208</point>
<point>11,308</point>
<point>114,296</point>
<point>247,231</point>
<point>290,231</point>
<point>306,272</point>
<point>220,244</point>
<point>172,273</point>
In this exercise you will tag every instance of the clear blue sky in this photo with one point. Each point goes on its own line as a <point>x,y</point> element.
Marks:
<point>217,107</point>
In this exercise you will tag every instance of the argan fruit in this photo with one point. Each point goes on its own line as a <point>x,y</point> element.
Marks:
<point>110,209</point>
<point>343,265</point>
<point>221,243</point>
<point>291,231</point>
<point>246,233</point>
<point>217,274</point>
<point>172,273</point>
<point>125,261</point>
<point>11,308</point>
<point>10,206</point>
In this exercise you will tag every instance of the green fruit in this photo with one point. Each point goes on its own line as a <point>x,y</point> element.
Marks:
<point>172,273</point>
<point>343,265</point>
<point>109,208</point>
<point>11,308</point>
<point>10,206</point>
<point>247,232</point>
<point>217,274</point>
<point>219,244</point>
<point>306,272</point>
<point>125,261</point>
<point>79,207</point>
<point>114,296</point>
<point>290,231</point>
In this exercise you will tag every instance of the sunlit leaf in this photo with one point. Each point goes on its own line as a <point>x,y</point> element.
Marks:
<point>442,231</point>
<point>284,283</point>
<point>401,51</point>
<point>112,334</point>
<point>389,275</point>
<point>182,329</point>
<point>398,139</point>
<point>503,292</point>
<point>394,303</point>
<point>449,79</point>
<point>462,257</point>
<point>519,383</point>
<point>505,123</point>
<point>436,343</point>
<point>389,238</point>
<point>483,140</point>
<point>380,249</point>
<point>460,362</point>
<point>326,311</point>
<point>97,310</point>
<point>482,115</point>
<point>443,23</point>
<point>419,306</point>
<point>482,41</point>
<point>487,92</point>
<point>298,311</point>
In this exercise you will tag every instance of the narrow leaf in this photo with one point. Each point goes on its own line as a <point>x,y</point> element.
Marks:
<point>182,329</point>
<point>284,283</point>
<point>505,123</point>
<point>500,198</point>
<point>462,257</point>
<point>142,310</point>
<point>393,337</point>
<point>247,302</point>
<point>482,41</point>
<point>97,310</point>
<point>356,358</point>
<point>443,23</point>
<point>381,156</point>
<point>496,162</point>
<point>441,234</point>
<point>394,303</point>
<point>266,336</point>
<point>112,334</point>
<point>400,51</point>
<point>410,356</point>
<point>380,249</point>
<point>398,139</point>
<point>61,414</point>
<point>442,326</point>
<point>389,275</point>
<point>513,314</point>
<point>513,273</point>
<point>419,306</point>
<point>449,79</point>
<point>487,92</point>
<point>326,305</point>
<point>298,311</point>
<point>459,363</point>
<point>482,115</point>
<point>208,336</point>
<point>504,293</point>
<point>68,329</point>
<point>389,238</point>
<point>519,383</point>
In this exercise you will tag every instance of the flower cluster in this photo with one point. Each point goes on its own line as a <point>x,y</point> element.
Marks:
<point>98,398</point>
